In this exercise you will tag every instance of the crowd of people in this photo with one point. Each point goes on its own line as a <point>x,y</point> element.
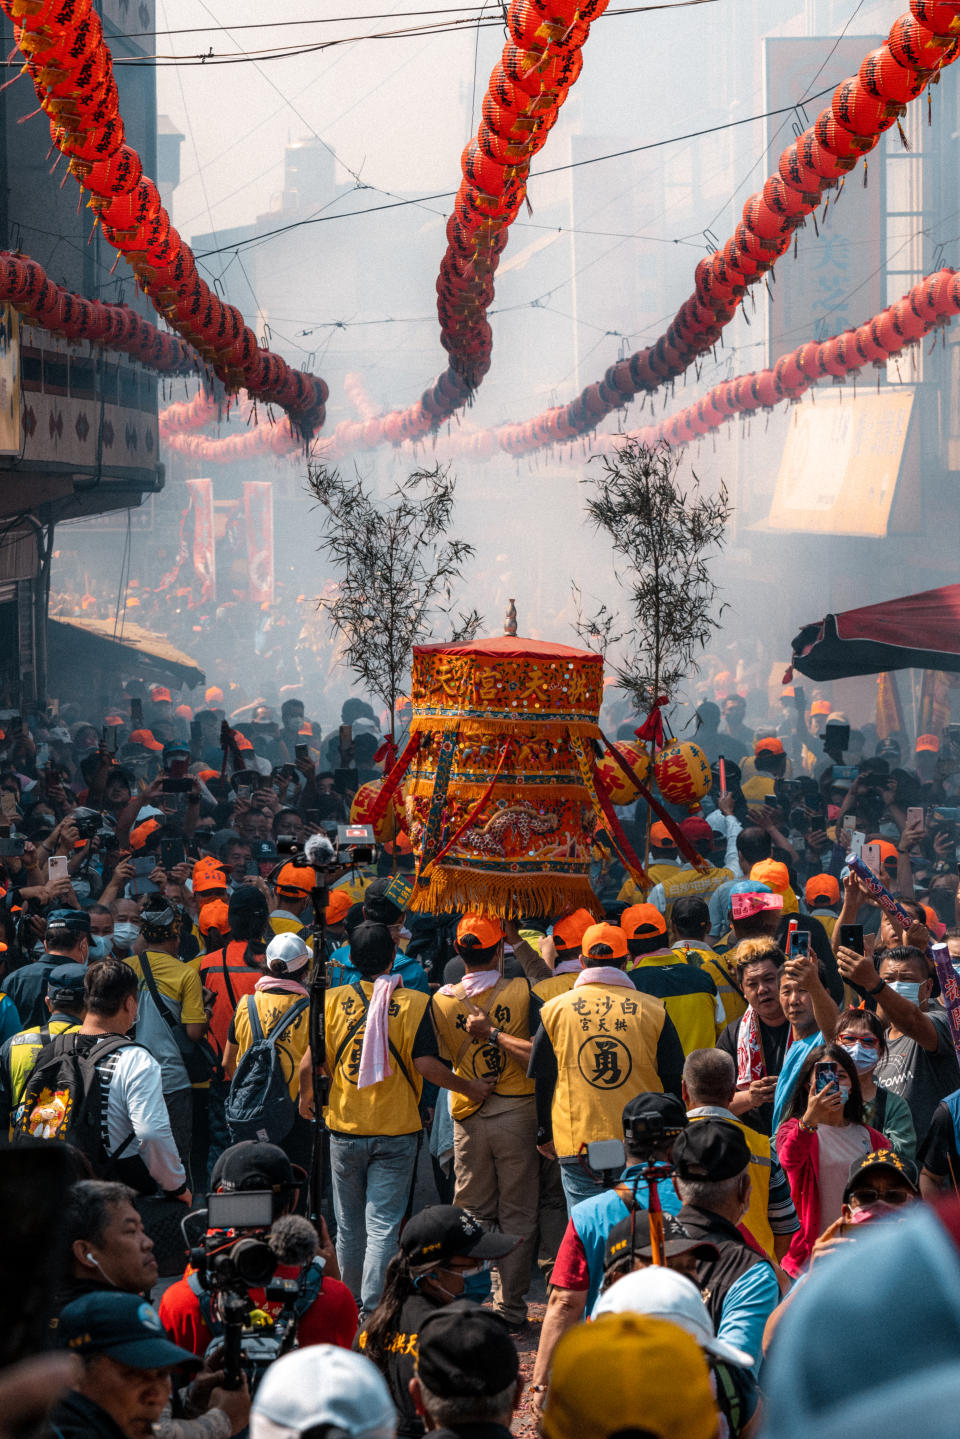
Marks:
<point>715,1124</point>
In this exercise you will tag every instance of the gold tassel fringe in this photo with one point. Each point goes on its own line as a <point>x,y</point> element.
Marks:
<point>506,896</point>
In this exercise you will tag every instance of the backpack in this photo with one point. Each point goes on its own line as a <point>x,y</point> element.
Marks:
<point>65,1098</point>
<point>259,1104</point>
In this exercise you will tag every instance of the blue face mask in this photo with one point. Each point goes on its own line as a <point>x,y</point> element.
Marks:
<point>101,947</point>
<point>908,988</point>
<point>477,1287</point>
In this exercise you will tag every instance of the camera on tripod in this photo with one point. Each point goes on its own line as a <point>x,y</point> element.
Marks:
<point>644,1136</point>
<point>233,1257</point>
<point>342,846</point>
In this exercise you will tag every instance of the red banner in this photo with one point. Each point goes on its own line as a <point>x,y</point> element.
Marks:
<point>204,551</point>
<point>258,514</point>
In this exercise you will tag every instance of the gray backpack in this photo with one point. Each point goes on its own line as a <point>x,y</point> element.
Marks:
<point>259,1104</point>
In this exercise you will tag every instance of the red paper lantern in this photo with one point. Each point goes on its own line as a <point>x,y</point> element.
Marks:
<point>907,323</point>
<point>882,77</point>
<point>885,332</point>
<point>831,359</point>
<point>765,223</point>
<point>784,200</point>
<point>940,16</point>
<point>832,137</point>
<point>856,110</point>
<point>798,175</point>
<point>868,346</point>
<point>914,46</point>
<point>114,176</point>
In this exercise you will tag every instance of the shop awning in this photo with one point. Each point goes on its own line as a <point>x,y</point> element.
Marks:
<point>916,632</point>
<point>135,651</point>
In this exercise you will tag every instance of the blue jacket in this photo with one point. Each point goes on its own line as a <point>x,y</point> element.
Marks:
<point>593,1219</point>
<point>341,971</point>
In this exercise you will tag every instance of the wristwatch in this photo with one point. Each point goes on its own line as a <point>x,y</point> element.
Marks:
<point>495,1036</point>
<point>879,989</point>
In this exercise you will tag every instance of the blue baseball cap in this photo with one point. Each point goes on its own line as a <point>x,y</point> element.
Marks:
<point>175,746</point>
<point>750,886</point>
<point>66,980</point>
<point>75,919</point>
<point>122,1326</point>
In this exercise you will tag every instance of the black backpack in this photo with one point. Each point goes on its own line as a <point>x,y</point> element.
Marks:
<point>259,1104</point>
<point>65,1098</point>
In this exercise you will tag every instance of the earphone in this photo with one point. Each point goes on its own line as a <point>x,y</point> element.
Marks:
<point>90,1259</point>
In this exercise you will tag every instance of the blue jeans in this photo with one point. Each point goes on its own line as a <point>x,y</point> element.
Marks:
<point>371,1175</point>
<point>577,1183</point>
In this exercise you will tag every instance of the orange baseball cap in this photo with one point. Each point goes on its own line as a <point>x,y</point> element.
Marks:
<point>484,928</point>
<point>298,877</point>
<point>928,743</point>
<point>887,850</point>
<point>213,695</point>
<point>114,720</point>
<point>142,832</point>
<point>338,906</point>
<point>206,774</point>
<point>641,921</point>
<point>208,874</point>
<point>661,836</point>
<point>771,872</point>
<point>770,745</point>
<point>145,737</point>
<point>569,931</point>
<point>820,707</point>
<point>822,889</point>
<point>243,742</point>
<point>933,921</point>
<point>214,915</point>
<point>183,712</point>
<point>609,935</point>
<point>159,693</point>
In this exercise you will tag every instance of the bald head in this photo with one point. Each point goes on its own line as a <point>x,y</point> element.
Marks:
<point>709,1077</point>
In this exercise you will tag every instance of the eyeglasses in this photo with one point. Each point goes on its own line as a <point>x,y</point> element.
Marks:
<point>889,1196</point>
<point>869,1041</point>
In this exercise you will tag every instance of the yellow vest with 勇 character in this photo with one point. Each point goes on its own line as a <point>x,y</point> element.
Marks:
<point>391,1105</point>
<point>605,1040</point>
<point>507,1005</point>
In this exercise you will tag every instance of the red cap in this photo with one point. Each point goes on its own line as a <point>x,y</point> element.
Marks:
<point>697,831</point>
<point>770,745</point>
<point>569,931</point>
<point>928,743</point>
<point>298,877</point>
<point>642,921</point>
<point>483,927</point>
<point>610,935</point>
<point>159,693</point>
<point>183,712</point>
<point>114,720</point>
<point>243,742</point>
<point>145,737</point>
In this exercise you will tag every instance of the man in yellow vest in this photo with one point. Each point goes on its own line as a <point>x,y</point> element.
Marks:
<point>664,863</point>
<point>711,845</point>
<point>688,993</point>
<point>598,1045</point>
<point>18,1055</point>
<point>380,1046</point>
<point>484,1024</point>
<point>709,1084</point>
<point>566,937</point>
<point>690,925</point>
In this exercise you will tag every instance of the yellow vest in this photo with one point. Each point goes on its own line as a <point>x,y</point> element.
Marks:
<point>692,953</point>
<point>605,1040</point>
<point>508,1005</point>
<point>720,968</point>
<point>690,881</point>
<point>630,891</point>
<point>756,1219</point>
<point>271,1006</point>
<point>556,984</point>
<point>389,1106</point>
<point>24,1048</point>
<point>829,921</point>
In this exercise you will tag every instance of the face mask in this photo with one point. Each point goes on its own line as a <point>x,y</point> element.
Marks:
<point>865,1059</point>
<point>477,1285</point>
<point>844,1091</point>
<point>126,934</point>
<point>101,947</point>
<point>908,988</point>
<point>879,1209</point>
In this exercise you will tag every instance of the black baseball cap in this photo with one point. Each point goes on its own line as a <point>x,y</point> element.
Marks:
<point>633,1235</point>
<point>247,899</point>
<point>710,1149</point>
<point>66,982</point>
<point>76,920</point>
<point>252,1164</point>
<point>122,1326</point>
<point>881,1159</point>
<point>379,906</point>
<point>666,1108</point>
<point>264,849</point>
<point>445,1231</point>
<point>463,1350</point>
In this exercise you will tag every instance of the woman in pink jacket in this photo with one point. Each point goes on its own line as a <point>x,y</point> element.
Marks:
<point>821,1137</point>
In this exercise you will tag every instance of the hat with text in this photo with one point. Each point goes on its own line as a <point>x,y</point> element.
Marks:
<point>444,1231</point>
<point>122,1326</point>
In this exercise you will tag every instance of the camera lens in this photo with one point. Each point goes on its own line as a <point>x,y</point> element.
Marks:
<point>254,1261</point>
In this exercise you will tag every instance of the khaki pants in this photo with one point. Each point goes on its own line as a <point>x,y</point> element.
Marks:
<point>496,1165</point>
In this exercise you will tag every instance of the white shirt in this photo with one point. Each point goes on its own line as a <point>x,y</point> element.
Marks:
<point>135,1102</point>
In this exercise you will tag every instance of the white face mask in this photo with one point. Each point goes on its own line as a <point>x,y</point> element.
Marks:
<point>865,1059</point>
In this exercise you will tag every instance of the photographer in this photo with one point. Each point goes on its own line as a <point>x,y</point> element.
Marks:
<point>326,1311</point>
<point>578,1270</point>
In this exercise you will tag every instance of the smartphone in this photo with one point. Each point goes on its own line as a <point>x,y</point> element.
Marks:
<point>946,814</point>
<point>172,853</point>
<point>171,784</point>
<point>144,864</point>
<point>799,944</point>
<point>844,771</point>
<point>11,846</point>
<point>346,746</point>
<point>951,733</point>
<point>857,841</point>
<point>871,856</point>
<point>825,1071</point>
<point>58,867</point>
<point>196,735</point>
<point>346,781</point>
<point>851,937</point>
<point>915,814</point>
<point>136,714</point>
<point>244,791</point>
<point>770,801</point>
<point>302,752</point>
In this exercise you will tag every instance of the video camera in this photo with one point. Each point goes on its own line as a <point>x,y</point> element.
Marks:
<point>240,1250</point>
<point>344,847</point>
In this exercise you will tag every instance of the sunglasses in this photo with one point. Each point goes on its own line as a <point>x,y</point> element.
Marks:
<point>869,1041</point>
<point>889,1196</point>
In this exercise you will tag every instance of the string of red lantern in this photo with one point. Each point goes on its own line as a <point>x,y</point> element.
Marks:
<point>26,286</point>
<point>72,71</point>
<point>929,305</point>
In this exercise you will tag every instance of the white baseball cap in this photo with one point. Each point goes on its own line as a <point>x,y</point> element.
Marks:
<point>323,1385</point>
<point>664,1294</point>
<point>287,954</point>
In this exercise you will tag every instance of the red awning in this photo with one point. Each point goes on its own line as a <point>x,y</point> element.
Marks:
<point>916,632</point>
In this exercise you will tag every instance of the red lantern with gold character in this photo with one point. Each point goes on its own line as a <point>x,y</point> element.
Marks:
<point>682,773</point>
